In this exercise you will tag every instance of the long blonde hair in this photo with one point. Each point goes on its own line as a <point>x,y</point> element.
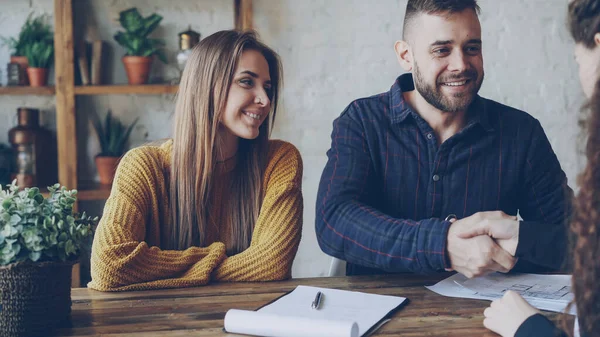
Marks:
<point>200,102</point>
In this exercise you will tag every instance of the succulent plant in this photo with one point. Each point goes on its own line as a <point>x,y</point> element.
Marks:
<point>34,29</point>
<point>135,38</point>
<point>36,229</point>
<point>113,135</point>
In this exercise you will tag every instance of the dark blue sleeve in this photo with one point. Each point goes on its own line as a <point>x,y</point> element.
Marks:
<point>350,228</point>
<point>545,206</point>
<point>539,326</point>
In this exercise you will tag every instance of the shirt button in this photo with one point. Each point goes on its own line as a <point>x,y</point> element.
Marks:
<point>429,136</point>
<point>436,177</point>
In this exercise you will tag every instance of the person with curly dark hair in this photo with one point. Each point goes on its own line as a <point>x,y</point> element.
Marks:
<point>512,315</point>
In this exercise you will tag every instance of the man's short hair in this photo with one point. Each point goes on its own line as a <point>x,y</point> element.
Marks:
<point>416,7</point>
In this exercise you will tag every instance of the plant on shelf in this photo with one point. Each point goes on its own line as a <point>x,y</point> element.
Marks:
<point>40,55</point>
<point>138,46</point>
<point>40,240</point>
<point>113,137</point>
<point>35,29</point>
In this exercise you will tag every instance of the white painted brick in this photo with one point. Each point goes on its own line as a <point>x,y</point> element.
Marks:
<point>333,51</point>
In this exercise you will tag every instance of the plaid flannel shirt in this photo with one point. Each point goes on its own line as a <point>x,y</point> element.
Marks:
<point>387,186</point>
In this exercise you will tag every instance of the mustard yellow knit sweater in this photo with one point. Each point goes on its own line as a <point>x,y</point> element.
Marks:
<point>126,252</point>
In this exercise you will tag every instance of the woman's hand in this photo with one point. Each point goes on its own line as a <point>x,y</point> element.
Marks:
<point>505,315</point>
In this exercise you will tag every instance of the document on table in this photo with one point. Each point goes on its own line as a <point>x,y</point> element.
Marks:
<point>340,313</point>
<point>545,292</point>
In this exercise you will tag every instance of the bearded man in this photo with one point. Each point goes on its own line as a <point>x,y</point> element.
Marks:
<point>430,177</point>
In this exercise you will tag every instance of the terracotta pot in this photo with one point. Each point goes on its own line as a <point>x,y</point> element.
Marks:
<point>38,77</point>
<point>137,68</point>
<point>23,65</point>
<point>106,168</point>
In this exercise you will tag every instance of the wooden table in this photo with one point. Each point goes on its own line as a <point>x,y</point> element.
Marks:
<point>200,311</point>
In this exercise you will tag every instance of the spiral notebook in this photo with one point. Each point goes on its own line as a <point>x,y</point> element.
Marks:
<point>340,313</point>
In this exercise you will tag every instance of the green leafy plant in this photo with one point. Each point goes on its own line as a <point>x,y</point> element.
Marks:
<point>113,135</point>
<point>135,38</point>
<point>34,29</point>
<point>34,228</point>
<point>40,54</point>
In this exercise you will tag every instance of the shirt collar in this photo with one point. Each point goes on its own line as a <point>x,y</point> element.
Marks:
<point>400,109</point>
<point>478,114</point>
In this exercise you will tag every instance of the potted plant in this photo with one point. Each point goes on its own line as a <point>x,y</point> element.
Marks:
<point>34,29</point>
<point>113,137</point>
<point>40,240</point>
<point>139,47</point>
<point>40,55</point>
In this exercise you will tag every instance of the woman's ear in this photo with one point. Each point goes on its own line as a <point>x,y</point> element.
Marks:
<point>403,53</point>
<point>597,39</point>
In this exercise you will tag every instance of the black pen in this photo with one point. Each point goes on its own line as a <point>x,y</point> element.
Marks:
<point>317,301</point>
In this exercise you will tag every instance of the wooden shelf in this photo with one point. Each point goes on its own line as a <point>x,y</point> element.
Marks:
<point>87,191</point>
<point>150,89</point>
<point>26,90</point>
<point>93,191</point>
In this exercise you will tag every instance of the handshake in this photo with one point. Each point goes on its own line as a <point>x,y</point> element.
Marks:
<point>483,243</point>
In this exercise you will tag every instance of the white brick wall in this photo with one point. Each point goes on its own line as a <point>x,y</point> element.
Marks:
<point>333,51</point>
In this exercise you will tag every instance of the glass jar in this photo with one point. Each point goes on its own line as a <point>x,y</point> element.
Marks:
<point>13,74</point>
<point>34,151</point>
<point>22,139</point>
<point>187,41</point>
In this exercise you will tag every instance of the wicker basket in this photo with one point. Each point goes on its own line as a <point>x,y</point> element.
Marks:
<point>35,298</point>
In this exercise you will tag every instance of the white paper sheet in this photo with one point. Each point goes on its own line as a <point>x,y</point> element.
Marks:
<point>492,287</point>
<point>538,287</point>
<point>269,325</point>
<point>293,315</point>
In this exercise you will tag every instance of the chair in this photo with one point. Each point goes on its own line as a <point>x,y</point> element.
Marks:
<point>337,267</point>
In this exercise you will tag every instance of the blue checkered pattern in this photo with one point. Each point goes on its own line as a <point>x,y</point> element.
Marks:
<point>387,186</point>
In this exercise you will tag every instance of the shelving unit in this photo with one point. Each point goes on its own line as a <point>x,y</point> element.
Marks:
<point>65,91</point>
<point>87,191</point>
<point>40,91</point>
<point>92,191</point>
<point>152,89</point>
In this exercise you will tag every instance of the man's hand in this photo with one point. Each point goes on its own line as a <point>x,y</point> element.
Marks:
<point>479,254</point>
<point>498,225</point>
<point>504,316</point>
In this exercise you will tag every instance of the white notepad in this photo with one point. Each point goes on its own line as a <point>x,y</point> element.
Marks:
<point>341,314</point>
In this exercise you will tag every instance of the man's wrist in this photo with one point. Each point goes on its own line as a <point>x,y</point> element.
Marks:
<point>447,262</point>
<point>522,239</point>
<point>518,224</point>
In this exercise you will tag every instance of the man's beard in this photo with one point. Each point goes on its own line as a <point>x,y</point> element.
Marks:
<point>434,96</point>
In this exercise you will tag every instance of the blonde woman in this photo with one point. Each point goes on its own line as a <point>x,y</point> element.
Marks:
<point>218,202</point>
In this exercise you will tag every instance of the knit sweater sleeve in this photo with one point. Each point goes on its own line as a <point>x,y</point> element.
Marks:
<point>278,230</point>
<point>121,259</point>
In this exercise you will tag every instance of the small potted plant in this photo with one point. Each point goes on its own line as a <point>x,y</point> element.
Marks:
<point>40,240</point>
<point>138,46</point>
<point>40,55</point>
<point>113,137</point>
<point>34,29</point>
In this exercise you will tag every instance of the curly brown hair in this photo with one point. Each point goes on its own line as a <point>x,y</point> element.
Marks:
<point>584,23</point>
<point>586,228</point>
